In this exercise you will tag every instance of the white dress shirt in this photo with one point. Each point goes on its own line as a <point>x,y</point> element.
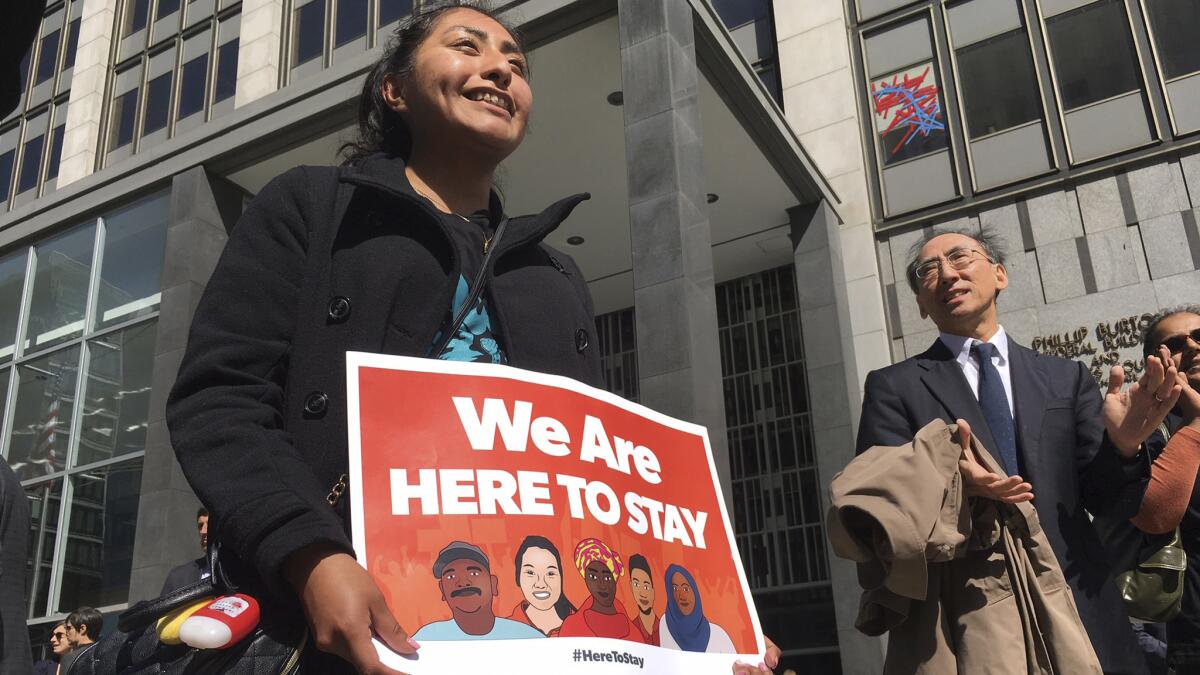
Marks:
<point>961,348</point>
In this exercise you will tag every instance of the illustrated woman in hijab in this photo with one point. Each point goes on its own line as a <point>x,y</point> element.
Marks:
<point>539,575</point>
<point>684,625</point>
<point>601,615</point>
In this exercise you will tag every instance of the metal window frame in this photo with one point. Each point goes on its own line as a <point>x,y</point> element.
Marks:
<point>865,80</point>
<point>1055,164</point>
<point>21,356</point>
<point>1143,90</point>
<point>1163,81</point>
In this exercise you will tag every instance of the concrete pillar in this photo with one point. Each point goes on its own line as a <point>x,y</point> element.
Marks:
<point>817,254</point>
<point>678,356</point>
<point>81,136</point>
<point>260,53</point>
<point>203,208</point>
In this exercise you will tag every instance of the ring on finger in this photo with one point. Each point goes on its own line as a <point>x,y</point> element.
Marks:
<point>1160,400</point>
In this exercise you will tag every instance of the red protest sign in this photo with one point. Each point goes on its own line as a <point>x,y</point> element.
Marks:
<point>502,507</point>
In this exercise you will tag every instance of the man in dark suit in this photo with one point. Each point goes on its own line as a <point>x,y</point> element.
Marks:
<point>192,571</point>
<point>1063,445</point>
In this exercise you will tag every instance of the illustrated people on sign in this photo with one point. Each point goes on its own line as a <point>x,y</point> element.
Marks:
<point>684,625</point>
<point>602,614</point>
<point>539,576</point>
<point>469,588</point>
<point>641,582</point>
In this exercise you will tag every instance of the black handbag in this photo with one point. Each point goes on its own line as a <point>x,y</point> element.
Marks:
<point>275,647</point>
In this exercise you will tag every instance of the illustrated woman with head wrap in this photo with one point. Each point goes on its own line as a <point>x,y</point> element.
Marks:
<point>539,576</point>
<point>601,615</point>
<point>684,626</point>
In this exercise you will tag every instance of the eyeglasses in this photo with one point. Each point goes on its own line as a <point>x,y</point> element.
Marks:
<point>1177,343</point>
<point>959,259</point>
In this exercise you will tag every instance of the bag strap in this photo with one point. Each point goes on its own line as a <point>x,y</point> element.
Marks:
<point>144,613</point>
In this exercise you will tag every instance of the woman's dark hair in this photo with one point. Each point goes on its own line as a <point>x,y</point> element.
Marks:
<point>87,616</point>
<point>562,606</point>
<point>1149,341</point>
<point>381,129</point>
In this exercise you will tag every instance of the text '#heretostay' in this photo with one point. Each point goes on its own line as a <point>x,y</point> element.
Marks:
<point>588,655</point>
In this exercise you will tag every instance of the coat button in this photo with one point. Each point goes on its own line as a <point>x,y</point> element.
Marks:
<point>316,403</point>
<point>581,340</point>
<point>339,308</point>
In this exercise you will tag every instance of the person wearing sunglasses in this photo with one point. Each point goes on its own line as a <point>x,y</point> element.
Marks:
<point>59,646</point>
<point>1171,498</point>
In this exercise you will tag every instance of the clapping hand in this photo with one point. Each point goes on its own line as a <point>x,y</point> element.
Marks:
<point>1132,415</point>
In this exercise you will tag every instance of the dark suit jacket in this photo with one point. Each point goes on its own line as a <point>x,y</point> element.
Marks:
<point>1064,455</point>
<point>185,575</point>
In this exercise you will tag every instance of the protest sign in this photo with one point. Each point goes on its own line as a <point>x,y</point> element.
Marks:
<point>555,526</point>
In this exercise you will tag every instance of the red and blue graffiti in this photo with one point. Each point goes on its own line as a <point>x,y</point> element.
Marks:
<point>912,104</point>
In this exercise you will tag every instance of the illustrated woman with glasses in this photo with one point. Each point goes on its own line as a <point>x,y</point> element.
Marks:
<point>1172,498</point>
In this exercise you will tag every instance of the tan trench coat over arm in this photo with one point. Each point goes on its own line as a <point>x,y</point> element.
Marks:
<point>962,585</point>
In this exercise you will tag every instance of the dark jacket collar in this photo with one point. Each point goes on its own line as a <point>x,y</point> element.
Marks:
<point>385,173</point>
<point>945,380</point>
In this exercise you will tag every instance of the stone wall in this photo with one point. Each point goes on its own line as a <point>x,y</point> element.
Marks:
<point>1087,262</point>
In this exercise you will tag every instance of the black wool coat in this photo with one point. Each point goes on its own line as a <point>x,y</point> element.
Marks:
<point>326,260</point>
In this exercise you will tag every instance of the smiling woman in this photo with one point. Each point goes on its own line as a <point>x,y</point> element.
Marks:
<point>404,249</point>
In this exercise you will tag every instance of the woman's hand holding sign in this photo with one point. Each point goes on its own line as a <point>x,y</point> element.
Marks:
<point>770,660</point>
<point>344,608</point>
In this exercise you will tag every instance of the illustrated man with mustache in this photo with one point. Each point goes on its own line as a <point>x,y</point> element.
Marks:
<point>469,587</point>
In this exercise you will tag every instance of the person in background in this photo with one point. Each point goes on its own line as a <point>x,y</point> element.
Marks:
<point>15,656</point>
<point>1171,497</point>
<point>59,646</point>
<point>1063,444</point>
<point>83,628</point>
<point>195,570</point>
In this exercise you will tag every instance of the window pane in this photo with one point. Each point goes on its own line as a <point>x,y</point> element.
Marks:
<point>227,60</point>
<point>56,145</point>
<point>1093,53</point>
<point>136,12</point>
<point>393,10</point>
<point>116,401</point>
<point>191,86</point>
<point>999,86</point>
<point>310,32</point>
<point>47,58</point>
<point>736,13</point>
<point>124,115</point>
<point>1174,24</point>
<point>6,171</point>
<point>44,501</point>
<point>158,103</point>
<point>60,286</point>
<point>41,425</point>
<point>31,162</point>
<point>351,20</point>
<point>24,67</point>
<point>72,44</point>
<point>12,278</point>
<point>166,7</point>
<point>908,114</point>
<point>100,527</point>
<point>131,272</point>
